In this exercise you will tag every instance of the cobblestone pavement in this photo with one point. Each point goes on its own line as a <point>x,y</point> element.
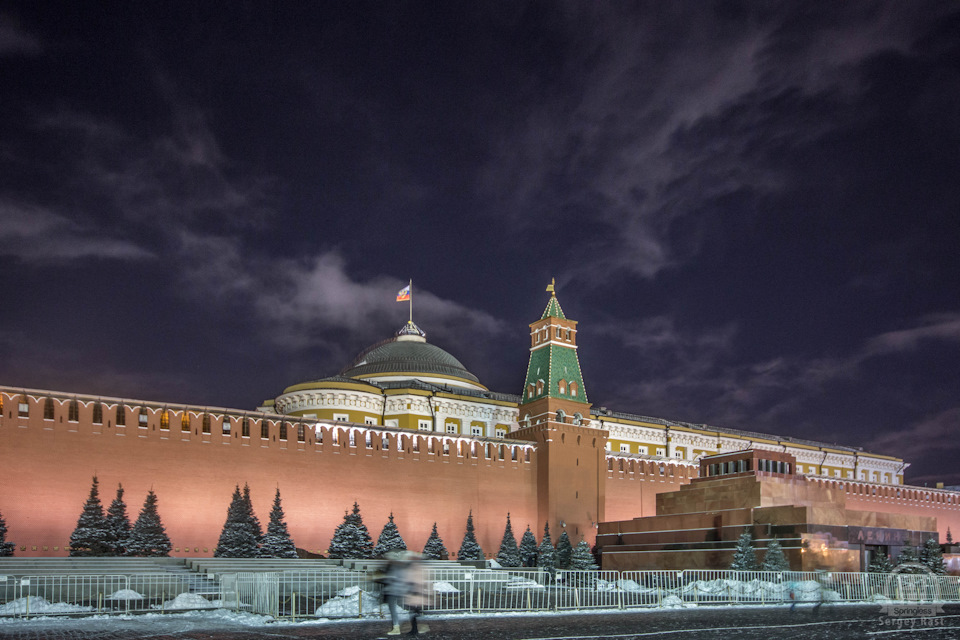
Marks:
<point>839,622</point>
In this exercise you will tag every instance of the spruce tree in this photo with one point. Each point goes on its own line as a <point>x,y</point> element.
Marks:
<point>351,540</point>
<point>931,555</point>
<point>509,554</point>
<point>546,556</point>
<point>880,563</point>
<point>775,559</point>
<point>528,549</point>
<point>908,555</point>
<point>253,522</point>
<point>238,538</point>
<point>434,549</point>
<point>564,551</point>
<point>470,549</point>
<point>6,548</point>
<point>582,559</point>
<point>91,536</point>
<point>389,540</point>
<point>745,556</point>
<point>118,524</point>
<point>277,542</point>
<point>949,536</point>
<point>148,538</point>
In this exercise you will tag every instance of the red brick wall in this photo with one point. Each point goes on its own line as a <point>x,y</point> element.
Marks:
<point>632,490</point>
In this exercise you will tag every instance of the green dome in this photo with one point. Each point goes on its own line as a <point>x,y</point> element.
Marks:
<point>407,353</point>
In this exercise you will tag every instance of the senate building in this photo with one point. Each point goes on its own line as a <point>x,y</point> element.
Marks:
<point>406,429</point>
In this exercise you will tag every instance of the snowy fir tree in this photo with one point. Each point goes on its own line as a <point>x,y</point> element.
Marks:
<point>774,559</point>
<point>564,551</point>
<point>949,536</point>
<point>880,563</point>
<point>238,539</point>
<point>148,538</point>
<point>434,549</point>
<point>6,548</point>
<point>470,549</point>
<point>582,559</point>
<point>908,555</point>
<point>91,535</point>
<point>546,556</point>
<point>528,549</point>
<point>118,525</point>
<point>389,540</point>
<point>351,540</point>
<point>745,556</point>
<point>509,554</point>
<point>931,555</point>
<point>277,542</point>
<point>253,522</point>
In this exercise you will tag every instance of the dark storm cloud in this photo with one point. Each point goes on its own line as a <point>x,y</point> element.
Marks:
<point>750,207</point>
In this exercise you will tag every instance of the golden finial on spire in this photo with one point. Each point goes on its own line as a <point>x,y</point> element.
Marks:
<point>552,287</point>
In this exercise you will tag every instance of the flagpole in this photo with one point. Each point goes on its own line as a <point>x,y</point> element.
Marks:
<point>410,285</point>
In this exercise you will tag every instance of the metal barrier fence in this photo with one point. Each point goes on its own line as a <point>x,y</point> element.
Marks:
<point>339,593</point>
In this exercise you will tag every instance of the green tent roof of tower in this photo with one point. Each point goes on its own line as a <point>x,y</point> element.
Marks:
<point>553,309</point>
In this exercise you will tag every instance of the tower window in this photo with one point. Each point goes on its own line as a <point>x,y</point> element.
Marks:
<point>561,416</point>
<point>185,422</point>
<point>73,412</point>
<point>48,409</point>
<point>97,413</point>
<point>563,387</point>
<point>574,388</point>
<point>558,333</point>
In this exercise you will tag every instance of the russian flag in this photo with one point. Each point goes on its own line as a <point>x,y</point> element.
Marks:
<point>404,294</point>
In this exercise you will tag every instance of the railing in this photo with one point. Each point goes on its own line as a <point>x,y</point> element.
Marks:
<point>339,593</point>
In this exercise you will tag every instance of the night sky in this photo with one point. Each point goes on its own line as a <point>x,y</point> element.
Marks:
<point>752,209</point>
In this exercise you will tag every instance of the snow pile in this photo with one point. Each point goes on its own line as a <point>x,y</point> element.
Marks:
<point>347,604</point>
<point>36,604</point>
<point>125,594</point>
<point>444,587</point>
<point>523,583</point>
<point>672,602</point>
<point>493,564</point>
<point>632,586</point>
<point>186,601</point>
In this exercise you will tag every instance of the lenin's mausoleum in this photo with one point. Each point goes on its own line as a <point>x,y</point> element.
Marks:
<point>407,429</point>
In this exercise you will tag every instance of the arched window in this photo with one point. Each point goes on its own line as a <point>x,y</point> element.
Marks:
<point>529,390</point>
<point>574,388</point>
<point>562,385</point>
<point>185,422</point>
<point>48,409</point>
<point>97,413</point>
<point>121,416</point>
<point>539,387</point>
<point>165,420</point>
<point>526,420</point>
<point>283,430</point>
<point>264,430</point>
<point>73,412</point>
<point>577,418</point>
<point>561,416</point>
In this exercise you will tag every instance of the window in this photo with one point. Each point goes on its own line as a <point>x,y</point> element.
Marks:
<point>568,335</point>
<point>451,427</point>
<point>424,425</point>
<point>393,422</point>
<point>577,418</point>
<point>121,416</point>
<point>264,430</point>
<point>558,332</point>
<point>185,422</point>
<point>660,451</point>
<point>529,390</point>
<point>561,416</point>
<point>142,417</point>
<point>539,387</point>
<point>97,413</point>
<point>73,412</point>
<point>501,433</point>
<point>641,449</point>
<point>678,454</point>
<point>562,386</point>
<point>24,408</point>
<point>245,428</point>
<point>283,431</point>
<point>226,425</point>
<point>165,419</point>
<point>370,421</point>
<point>526,420</point>
<point>301,433</point>
<point>624,448</point>
<point>48,409</point>
<point>836,473</point>
<point>574,387</point>
<point>206,423</point>
<point>477,431</point>
<point>341,417</point>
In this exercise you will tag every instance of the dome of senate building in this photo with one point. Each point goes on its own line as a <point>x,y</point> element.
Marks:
<point>409,355</point>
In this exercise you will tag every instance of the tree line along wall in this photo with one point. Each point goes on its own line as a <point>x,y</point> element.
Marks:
<point>47,465</point>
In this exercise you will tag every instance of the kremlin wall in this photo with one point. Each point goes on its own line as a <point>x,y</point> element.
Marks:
<point>404,429</point>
